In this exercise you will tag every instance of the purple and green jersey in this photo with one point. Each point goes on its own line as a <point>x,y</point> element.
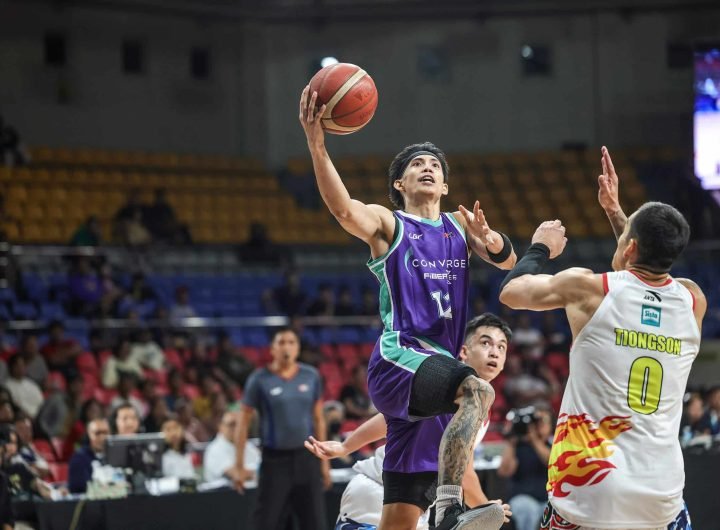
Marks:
<point>424,279</point>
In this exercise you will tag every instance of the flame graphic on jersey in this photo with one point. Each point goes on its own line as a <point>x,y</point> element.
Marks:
<point>581,449</point>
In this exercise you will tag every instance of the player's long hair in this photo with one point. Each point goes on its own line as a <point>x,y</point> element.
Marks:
<point>400,162</point>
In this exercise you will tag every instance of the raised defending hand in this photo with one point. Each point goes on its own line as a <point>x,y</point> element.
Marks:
<point>552,235</point>
<point>325,450</point>
<point>310,117</point>
<point>608,196</point>
<point>478,227</point>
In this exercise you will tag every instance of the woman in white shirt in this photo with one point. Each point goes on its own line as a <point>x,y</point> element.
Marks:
<point>176,461</point>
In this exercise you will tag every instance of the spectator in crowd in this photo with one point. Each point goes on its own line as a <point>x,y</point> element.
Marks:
<point>90,410</point>
<point>112,292</point>
<point>132,208</point>
<point>195,431</point>
<point>522,388</point>
<point>127,390</point>
<point>710,422</point>
<point>691,422</point>
<point>218,405</point>
<point>146,351</point>
<point>288,397</point>
<point>80,468</point>
<point>126,419</point>
<point>60,351</point>
<point>219,458</point>
<point>181,309</point>
<point>7,517</point>
<point>202,408</point>
<point>85,288</point>
<point>288,299</point>
<point>324,304</point>
<point>3,372</point>
<point>162,222</point>
<point>12,150</point>
<point>524,462</point>
<point>529,337</point>
<point>88,233</point>
<point>232,361</point>
<point>176,460</point>
<point>23,483</point>
<point>120,361</point>
<point>354,395</point>
<point>334,412</point>
<point>24,391</point>
<point>369,306</point>
<point>259,250</point>
<point>175,389</point>
<point>7,408</point>
<point>35,365</point>
<point>7,342</point>
<point>556,336</point>
<point>135,232</point>
<point>345,306</point>
<point>157,415</point>
<point>26,450</point>
<point>139,290</point>
<point>59,404</point>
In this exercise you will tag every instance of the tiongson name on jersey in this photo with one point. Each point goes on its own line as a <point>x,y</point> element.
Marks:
<point>647,341</point>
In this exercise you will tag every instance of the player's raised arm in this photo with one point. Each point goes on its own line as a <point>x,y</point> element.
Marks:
<point>608,196</point>
<point>371,223</point>
<point>493,247</point>
<point>525,288</point>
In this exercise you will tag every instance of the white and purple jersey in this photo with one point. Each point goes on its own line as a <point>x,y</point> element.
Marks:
<point>424,279</point>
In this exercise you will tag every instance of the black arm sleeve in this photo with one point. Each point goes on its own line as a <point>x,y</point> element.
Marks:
<point>531,263</point>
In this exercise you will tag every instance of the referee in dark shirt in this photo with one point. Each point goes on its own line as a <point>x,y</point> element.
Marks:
<point>288,396</point>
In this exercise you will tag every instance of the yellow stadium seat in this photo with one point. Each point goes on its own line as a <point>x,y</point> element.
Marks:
<point>15,209</point>
<point>17,194</point>
<point>34,211</point>
<point>12,232</point>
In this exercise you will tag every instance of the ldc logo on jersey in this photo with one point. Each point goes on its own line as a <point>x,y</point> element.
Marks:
<point>650,316</point>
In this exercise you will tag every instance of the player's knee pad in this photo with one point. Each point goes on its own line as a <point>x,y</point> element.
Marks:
<point>435,385</point>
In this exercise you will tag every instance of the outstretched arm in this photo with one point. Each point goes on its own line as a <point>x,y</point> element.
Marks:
<point>608,194</point>
<point>371,431</point>
<point>373,223</point>
<point>543,292</point>
<point>491,246</point>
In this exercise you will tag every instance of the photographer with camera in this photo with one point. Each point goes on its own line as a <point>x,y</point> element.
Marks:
<point>524,463</point>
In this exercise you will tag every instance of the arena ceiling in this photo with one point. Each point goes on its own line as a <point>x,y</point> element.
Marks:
<point>307,10</point>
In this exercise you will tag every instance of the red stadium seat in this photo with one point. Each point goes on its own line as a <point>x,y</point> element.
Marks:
<point>45,449</point>
<point>59,471</point>
<point>104,395</point>
<point>173,357</point>
<point>86,363</point>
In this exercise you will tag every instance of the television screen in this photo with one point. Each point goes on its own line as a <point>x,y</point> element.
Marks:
<point>140,452</point>
<point>707,116</point>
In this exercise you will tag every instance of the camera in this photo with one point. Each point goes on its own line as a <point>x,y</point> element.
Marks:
<point>520,420</point>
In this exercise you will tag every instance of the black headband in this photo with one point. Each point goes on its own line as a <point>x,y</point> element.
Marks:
<point>416,154</point>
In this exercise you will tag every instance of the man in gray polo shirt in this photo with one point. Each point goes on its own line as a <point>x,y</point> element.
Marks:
<point>288,396</point>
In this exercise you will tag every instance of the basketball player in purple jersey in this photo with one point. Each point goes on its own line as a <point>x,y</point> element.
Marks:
<point>434,405</point>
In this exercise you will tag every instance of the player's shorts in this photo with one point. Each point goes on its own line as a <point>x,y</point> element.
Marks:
<point>408,382</point>
<point>551,520</point>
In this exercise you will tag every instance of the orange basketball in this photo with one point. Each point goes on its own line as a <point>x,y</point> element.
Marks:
<point>350,95</point>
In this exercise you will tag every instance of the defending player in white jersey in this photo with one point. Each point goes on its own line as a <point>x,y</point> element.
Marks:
<point>616,461</point>
<point>484,349</point>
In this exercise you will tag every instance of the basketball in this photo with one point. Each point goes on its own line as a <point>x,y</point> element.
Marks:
<point>350,95</point>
